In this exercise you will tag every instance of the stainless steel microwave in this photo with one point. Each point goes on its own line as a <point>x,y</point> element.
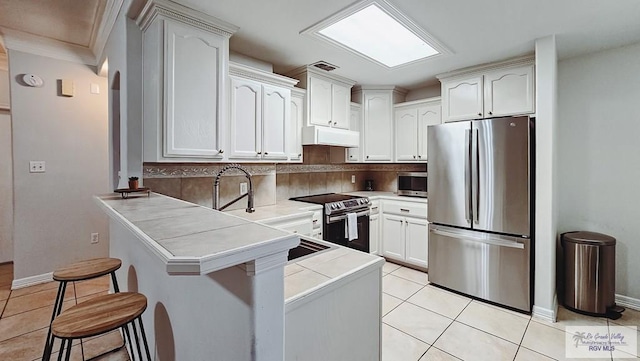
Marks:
<point>412,184</point>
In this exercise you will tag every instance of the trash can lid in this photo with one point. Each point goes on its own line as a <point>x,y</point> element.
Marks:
<point>592,238</point>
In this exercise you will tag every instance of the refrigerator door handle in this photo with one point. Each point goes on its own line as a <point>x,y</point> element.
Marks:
<point>475,177</point>
<point>467,177</point>
<point>486,238</point>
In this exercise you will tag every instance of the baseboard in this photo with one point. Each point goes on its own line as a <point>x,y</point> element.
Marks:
<point>32,281</point>
<point>628,302</point>
<point>546,314</point>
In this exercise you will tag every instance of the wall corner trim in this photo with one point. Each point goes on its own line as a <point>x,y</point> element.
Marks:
<point>32,281</point>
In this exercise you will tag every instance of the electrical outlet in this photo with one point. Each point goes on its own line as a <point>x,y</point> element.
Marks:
<point>353,178</point>
<point>95,238</point>
<point>37,166</point>
<point>243,188</point>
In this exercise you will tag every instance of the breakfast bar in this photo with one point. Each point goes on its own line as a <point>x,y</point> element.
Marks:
<point>221,286</point>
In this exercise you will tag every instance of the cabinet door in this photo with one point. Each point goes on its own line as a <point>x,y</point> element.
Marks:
<point>378,127</point>
<point>295,130</point>
<point>417,233</point>
<point>509,92</point>
<point>276,108</point>
<point>462,99</point>
<point>192,92</point>
<point>393,237</point>
<point>353,154</point>
<point>340,106</point>
<point>406,137</point>
<point>246,118</point>
<point>319,93</point>
<point>427,115</point>
<point>374,234</point>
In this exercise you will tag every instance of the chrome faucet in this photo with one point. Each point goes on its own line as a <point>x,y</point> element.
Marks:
<point>216,189</point>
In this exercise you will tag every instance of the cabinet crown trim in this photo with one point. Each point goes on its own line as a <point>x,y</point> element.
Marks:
<point>154,8</point>
<point>483,68</point>
<point>394,88</point>
<point>247,72</point>
<point>426,101</point>
<point>307,69</point>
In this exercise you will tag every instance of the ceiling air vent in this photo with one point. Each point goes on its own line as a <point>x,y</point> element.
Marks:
<point>324,65</point>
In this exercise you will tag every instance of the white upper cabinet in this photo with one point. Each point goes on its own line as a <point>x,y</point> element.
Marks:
<point>246,118</point>
<point>276,103</point>
<point>412,120</point>
<point>297,122</point>
<point>354,154</point>
<point>377,131</point>
<point>184,96</point>
<point>501,89</point>
<point>260,115</point>
<point>509,91</point>
<point>462,99</point>
<point>328,97</point>
<point>340,106</point>
<point>320,109</point>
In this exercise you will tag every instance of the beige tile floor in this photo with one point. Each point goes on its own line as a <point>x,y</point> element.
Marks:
<point>25,314</point>
<point>420,323</point>
<point>424,323</point>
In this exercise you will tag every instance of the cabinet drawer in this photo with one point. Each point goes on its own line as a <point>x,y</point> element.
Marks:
<point>405,208</point>
<point>375,207</point>
<point>296,227</point>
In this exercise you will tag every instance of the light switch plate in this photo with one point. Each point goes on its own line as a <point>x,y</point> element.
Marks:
<point>37,166</point>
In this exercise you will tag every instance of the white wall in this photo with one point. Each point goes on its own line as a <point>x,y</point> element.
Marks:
<point>599,153</point>
<point>6,175</point>
<point>424,92</point>
<point>54,213</point>
<point>545,301</point>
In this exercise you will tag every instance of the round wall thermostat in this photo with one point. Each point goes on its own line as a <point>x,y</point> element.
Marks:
<point>32,80</point>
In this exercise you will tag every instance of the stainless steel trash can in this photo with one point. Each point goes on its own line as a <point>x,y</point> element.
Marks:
<point>589,272</point>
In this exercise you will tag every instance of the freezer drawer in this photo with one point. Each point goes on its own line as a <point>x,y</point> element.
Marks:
<point>492,267</point>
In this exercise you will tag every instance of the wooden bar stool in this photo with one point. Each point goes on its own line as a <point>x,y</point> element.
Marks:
<point>98,316</point>
<point>80,271</point>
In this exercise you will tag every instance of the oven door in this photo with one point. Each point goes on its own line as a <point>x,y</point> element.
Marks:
<point>334,231</point>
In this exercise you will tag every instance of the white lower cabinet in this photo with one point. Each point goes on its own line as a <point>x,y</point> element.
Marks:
<point>405,232</point>
<point>374,234</point>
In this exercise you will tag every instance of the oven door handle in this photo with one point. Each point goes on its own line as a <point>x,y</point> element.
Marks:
<point>334,219</point>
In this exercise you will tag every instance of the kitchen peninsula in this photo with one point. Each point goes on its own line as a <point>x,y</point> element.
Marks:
<point>220,287</point>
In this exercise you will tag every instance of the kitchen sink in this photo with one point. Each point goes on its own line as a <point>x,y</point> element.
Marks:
<point>305,248</point>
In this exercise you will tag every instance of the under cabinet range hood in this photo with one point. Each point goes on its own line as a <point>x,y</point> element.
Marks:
<point>319,135</point>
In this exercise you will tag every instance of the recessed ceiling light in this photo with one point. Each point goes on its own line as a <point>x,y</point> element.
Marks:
<point>379,32</point>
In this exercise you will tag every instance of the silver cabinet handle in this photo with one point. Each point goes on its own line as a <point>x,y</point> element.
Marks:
<point>420,156</point>
<point>259,153</point>
<point>404,210</point>
<point>220,151</point>
<point>266,153</point>
<point>330,122</point>
<point>480,114</point>
<point>414,157</point>
<point>367,157</point>
<point>490,113</point>
<point>335,123</point>
<point>299,154</point>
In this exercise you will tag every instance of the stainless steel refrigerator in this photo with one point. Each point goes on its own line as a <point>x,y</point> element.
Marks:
<point>480,191</point>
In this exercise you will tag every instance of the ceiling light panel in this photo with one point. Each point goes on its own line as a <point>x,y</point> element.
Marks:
<point>379,32</point>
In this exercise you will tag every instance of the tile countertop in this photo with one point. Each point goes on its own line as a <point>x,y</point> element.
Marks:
<point>280,211</point>
<point>191,239</point>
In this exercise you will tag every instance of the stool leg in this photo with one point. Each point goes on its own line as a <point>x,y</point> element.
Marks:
<point>125,330</point>
<point>57,308</point>
<point>69,346</point>
<point>115,282</point>
<point>135,334</point>
<point>144,339</point>
<point>62,342</point>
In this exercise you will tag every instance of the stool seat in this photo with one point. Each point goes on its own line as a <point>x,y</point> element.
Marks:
<point>88,269</point>
<point>99,315</point>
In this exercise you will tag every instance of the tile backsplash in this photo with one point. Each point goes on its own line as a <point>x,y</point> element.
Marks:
<point>272,182</point>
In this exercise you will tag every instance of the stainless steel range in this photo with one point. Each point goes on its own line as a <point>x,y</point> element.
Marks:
<point>335,214</point>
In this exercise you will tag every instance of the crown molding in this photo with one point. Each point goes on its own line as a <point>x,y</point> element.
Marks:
<point>175,11</point>
<point>305,70</point>
<point>107,21</point>
<point>482,68</point>
<point>247,72</point>
<point>33,44</point>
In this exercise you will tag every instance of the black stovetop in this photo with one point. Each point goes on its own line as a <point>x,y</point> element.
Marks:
<point>324,198</point>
